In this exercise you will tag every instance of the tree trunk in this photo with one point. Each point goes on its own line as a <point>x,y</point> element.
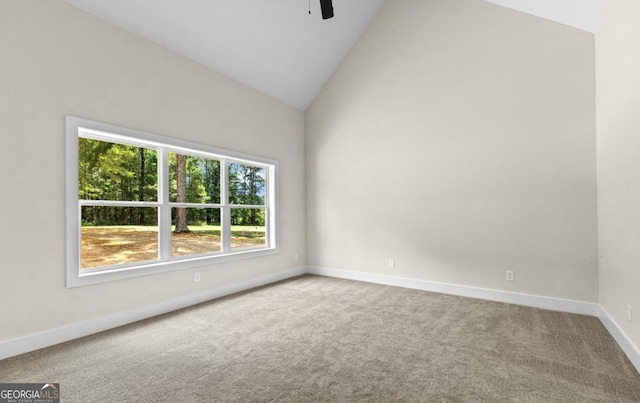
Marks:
<point>181,179</point>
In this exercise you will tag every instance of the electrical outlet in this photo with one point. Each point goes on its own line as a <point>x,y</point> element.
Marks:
<point>392,263</point>
<point>510,275</point>
<point>196,277</point>
<point>629,313</point>
<point>295,257</point>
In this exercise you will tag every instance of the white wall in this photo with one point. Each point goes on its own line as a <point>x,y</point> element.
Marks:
<point>618,144</point>
<point>458,137</point>
<point>57,60</point>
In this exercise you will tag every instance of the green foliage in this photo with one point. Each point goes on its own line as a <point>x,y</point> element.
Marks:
<point>247,187</point>
<point>246,184</point>
<point>203,180</point>
<point>199,216</point>
<point>110,171</point>
<point>103,215</point>
<point>248,217</point>
<point>202,186</point>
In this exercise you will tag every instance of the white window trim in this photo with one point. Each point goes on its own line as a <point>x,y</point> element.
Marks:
<point>77,277</point>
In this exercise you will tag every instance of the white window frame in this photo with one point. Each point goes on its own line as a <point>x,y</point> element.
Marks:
<point>76,276</point>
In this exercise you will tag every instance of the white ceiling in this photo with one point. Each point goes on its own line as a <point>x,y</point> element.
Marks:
<point>275,46</point>
<point>581,14</point>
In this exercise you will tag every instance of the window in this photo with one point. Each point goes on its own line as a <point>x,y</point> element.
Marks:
<point>140,203</point>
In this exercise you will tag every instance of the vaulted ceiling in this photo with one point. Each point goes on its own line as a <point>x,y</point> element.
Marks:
<point>277,47</point>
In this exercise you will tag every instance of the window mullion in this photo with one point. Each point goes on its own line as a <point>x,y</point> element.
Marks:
<point>164,215</point>
<point>267,221</point>
<point>195,205</point>
<point>116,203</point>
<point>225,219</point>
<point>270,202</point>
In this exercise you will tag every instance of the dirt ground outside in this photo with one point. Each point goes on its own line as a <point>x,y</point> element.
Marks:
<point>113,245</point>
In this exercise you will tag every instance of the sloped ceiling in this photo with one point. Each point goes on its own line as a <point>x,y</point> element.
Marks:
<point>277,47</point>
<point>581,14</point>
<point>273,46</point>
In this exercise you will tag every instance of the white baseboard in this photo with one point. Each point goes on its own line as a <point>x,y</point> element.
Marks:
<point>625,343</point>
<point>536,301</point>
<point>59,335</point>
<point>584,308</point>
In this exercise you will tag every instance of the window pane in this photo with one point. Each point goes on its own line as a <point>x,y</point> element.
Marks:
<point>246,184</point>
<point>193,179</point>
<point>248,228</point>
<point>118,235</point>
<point>195,231</point>
<point>110,171</point>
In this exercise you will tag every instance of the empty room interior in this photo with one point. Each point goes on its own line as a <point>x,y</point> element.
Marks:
<point>356,200</point>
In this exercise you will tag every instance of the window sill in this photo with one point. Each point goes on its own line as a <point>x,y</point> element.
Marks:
<point>155,267</point>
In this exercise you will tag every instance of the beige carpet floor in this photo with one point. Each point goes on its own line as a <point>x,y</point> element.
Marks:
<point>316,339</point>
